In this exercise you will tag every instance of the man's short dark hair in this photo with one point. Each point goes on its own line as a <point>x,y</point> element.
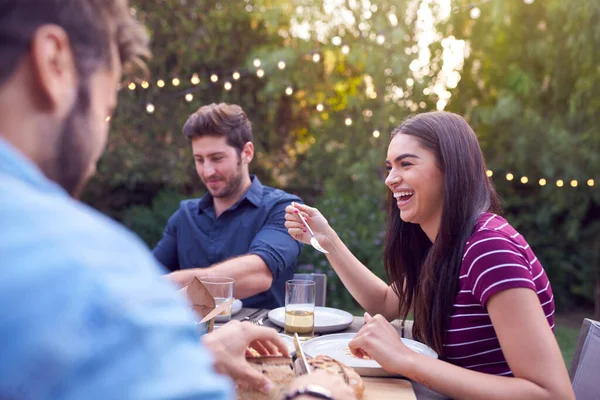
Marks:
<point>220,120</point>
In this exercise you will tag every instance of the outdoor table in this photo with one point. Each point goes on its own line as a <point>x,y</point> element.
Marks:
<point>375,388</point>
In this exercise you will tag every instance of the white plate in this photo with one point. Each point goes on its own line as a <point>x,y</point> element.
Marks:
<point>326,319</point>
<point>236,306</point>
<point>336,346</point>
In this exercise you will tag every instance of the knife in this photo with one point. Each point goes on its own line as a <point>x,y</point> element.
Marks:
<point>218,310</point>
<point>301,363</point>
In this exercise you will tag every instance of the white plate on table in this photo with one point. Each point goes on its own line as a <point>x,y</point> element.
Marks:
<point>336,346</point>
<point>236,307</point>
<point>327,319</point>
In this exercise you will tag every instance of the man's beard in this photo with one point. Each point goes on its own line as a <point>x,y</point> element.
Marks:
<point>233,184</point>
<point>72,154</point>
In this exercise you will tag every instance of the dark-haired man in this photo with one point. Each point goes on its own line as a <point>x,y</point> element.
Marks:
<point>237,228</point>
<point>85,312</point>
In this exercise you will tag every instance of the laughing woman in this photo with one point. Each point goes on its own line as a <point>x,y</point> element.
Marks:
<point>479,295</point>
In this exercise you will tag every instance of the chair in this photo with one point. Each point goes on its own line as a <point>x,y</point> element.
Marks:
<point>320,286</point>
<point>586,362</point>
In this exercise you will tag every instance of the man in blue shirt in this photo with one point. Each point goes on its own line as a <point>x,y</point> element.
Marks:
<point>84,311</point>
<point>237,229</point>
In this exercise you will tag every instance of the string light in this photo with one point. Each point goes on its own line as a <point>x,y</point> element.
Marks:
<point>348,121</point>
<point>320,107</point>
<point>336,40</point>
<point>316,57</point>
<point>509,177</point>
<point>145,85</point>
<point>380,39</point>
<point>345,49</point>
<point>528,1</point>
<point>195,79</point>
<point>542,182</point>
<point>160,83</point>
<point>281,65</point>
<point>489,173</point>
<point>131,86</point>
<point>289,91</point>
<point>590,182</point>
<point>559,183</point>
<point>236,76</point>
<point>475,12</point>
<point>227,86</point>
<point>189,97</point>
<point>175,81</point>
<point>524,180</point>
<point>256,62</point>
<point>376,133</point>
<point>573,183</point>
<point>150,108</point>
<point>107,119</point>
<point>214,78</point>
<point>260,73</point>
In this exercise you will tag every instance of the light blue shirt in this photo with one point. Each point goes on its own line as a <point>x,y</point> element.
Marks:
<point>84,312</point>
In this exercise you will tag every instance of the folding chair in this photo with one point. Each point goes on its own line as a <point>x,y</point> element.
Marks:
<point>585,366</point>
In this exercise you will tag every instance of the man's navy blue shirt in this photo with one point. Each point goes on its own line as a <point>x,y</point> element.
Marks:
<point>196,238</point>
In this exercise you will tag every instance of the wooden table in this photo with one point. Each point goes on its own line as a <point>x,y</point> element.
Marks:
<point>375,388</point>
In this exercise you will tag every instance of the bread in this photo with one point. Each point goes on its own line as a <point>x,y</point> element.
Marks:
<point>335,367</point>
<point>280,371</point>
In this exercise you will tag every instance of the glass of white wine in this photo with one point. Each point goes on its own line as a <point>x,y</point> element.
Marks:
<point>221,289</point>
<point>300,308</point>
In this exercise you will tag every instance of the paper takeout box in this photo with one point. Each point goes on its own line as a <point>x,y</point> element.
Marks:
<point>201,301</point>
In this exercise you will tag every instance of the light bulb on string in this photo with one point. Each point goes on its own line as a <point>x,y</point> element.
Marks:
<point>131,86</point>
<point>475,12</point>
<point>380,39</point>
<point>509,177</point>
<point>348,121</point>
<point>149,108</point>
<point>320,107</point>
<point>336,40</point>
<point>590,182</point>
<point>345,49</point>
<point>236,76</point>
<point>489,173</point>
<point>107,119</point>
<point>145,85</point>
<point>260,73</point>
<point>289,91</point>
<point>195,79</point>
<point>574,183</point>
<point>189,97</point>
<point>281,65</point>
<point>376,133</point>
<point>175,82</point>
<point>256,62</point>
<point>160,83</point>
<point>542,182</point>
<point>214,78</point>
<point>528,1</point>
<point>560,183</point>
<point>524,179</point>
<point>227,86</point>
<point>316,57</point>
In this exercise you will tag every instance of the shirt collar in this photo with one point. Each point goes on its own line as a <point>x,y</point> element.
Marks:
<point>253,195</point>
<point>16,164</point>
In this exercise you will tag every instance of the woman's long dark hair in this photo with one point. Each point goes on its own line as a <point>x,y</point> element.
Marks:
<point>424,274</point>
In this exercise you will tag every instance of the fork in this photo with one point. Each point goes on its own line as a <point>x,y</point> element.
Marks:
<point>313,240</point>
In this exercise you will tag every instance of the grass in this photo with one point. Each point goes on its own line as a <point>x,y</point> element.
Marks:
<point>567,340</point>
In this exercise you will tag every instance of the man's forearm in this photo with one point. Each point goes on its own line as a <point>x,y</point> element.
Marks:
<point>251,274</point>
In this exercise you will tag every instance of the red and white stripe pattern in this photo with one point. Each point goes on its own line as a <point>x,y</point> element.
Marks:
<point>496,258</point>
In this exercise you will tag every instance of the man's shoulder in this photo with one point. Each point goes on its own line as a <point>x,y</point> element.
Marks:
<point>273,195</point>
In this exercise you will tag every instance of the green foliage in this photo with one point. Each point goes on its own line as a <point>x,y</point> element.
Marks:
<point>150,222</point>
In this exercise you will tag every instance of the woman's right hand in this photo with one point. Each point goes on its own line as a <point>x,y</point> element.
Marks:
<point>317,222</point>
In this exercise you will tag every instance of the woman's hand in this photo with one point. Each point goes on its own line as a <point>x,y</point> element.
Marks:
<point>229,346</point>
<point>317,222</point>
<point>379,340</point>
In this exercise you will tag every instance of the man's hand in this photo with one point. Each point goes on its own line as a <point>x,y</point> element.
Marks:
<point>181,278</point>
<point>229,345</point>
